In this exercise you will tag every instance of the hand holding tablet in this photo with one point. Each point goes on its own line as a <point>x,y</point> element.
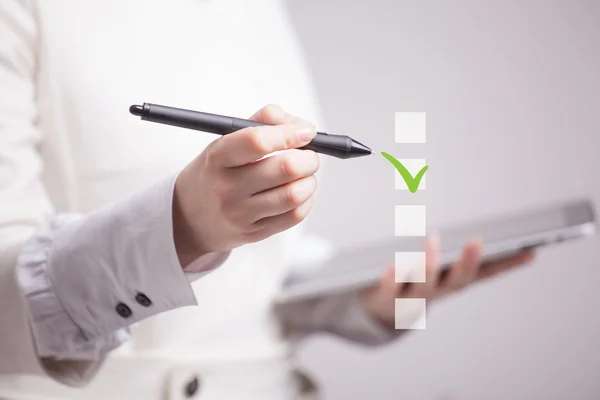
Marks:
<point>502,238</point>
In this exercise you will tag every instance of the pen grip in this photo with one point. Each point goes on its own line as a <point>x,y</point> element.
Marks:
<point>333,145</point>
<point>338,146</point>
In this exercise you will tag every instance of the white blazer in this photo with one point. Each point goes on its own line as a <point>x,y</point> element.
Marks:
<point>69,70</point>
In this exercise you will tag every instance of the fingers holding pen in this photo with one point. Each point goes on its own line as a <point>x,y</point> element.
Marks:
<point>251,144</point>
<point>276,170</point>
<point>282,199</point>
<point>246,196</point>
<point>271,191</point>
<point>247,145</point>
<point>269,187</point>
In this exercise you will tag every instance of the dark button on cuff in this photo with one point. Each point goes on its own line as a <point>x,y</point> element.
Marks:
<point>123,310</point>
<point>143,300</point>
<point>191,388</point>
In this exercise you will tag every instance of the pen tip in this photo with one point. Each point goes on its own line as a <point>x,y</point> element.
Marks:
<point>136,110</point>
<point>359,149</point>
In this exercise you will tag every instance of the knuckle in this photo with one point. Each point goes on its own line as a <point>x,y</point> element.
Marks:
<point>298,163</point>
<point>258,142</point>
<point>291,195</point>
<point>211,153</point>
<point>231,214</point>
<point>224,190</point>
<point>288,167</point>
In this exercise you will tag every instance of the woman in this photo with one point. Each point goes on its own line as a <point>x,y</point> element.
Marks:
<point>108,224</point>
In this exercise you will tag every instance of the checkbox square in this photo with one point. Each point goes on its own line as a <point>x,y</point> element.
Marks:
<point>410,266</point>
<point>410,313</point>
<point>413,165</point>
<point>410,127</point>
<point>410,220</point>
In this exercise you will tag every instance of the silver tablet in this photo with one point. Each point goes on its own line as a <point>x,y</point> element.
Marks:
<point>502,236</point>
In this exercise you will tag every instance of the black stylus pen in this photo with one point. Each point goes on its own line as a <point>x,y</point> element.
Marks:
<point>332,145</point>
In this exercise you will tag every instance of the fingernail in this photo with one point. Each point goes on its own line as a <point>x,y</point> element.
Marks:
<point>306,133</point>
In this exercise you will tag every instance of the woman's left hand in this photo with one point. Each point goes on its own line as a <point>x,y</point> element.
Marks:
<point>379,300</point>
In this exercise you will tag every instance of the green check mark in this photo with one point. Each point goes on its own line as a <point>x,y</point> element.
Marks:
<point>412,183</point>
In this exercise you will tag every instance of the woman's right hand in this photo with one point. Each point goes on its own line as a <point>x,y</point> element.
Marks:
<point>230,195</point>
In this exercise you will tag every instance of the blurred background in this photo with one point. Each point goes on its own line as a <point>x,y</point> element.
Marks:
<point>512,95</point>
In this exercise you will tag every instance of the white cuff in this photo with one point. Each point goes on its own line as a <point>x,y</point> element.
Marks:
<point>121,263</point>
<point>86,280</point>
<point>55,333</point>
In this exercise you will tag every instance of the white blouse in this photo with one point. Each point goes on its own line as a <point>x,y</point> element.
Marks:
<point>86,193</point>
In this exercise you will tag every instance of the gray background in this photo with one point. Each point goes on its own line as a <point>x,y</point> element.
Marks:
<point>512,95</point>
